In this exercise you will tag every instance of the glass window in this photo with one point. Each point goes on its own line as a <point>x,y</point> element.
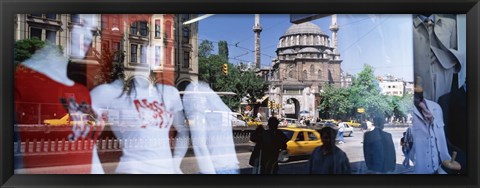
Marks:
<point>157,28</point>
<point>143,28</point>
<point>133,28</point>
<point>52,36</point>
<point>51,16</point>
<point>75,18</point>
<point>300,137</point>
<point>158,55</point>
<point>133,53</point>
<point>319,74</point>
<point>312,71</point>
<point>185,17</point>
<point>312,136</point>
<point>36,15</point>
<point>35,32</point>
<point>186,35</point>
<point>304,74</point>
<point>143,54</point>
<point>186,59</point>
<point>289,134</point>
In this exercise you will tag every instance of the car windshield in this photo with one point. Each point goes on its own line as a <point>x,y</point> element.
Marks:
<point>289,134</point>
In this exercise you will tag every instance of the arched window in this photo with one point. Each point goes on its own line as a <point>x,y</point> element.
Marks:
<point>312,71</point>
<point>319,74</point>
<point>304,74</point>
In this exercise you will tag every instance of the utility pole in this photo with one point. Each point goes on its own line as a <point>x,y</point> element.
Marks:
<point>257,28</point>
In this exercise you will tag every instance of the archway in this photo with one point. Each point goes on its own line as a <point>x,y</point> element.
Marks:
<point>292,108</point>
<point>182,85</point>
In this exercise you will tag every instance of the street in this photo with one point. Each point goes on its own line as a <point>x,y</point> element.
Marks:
<point>298,165</point>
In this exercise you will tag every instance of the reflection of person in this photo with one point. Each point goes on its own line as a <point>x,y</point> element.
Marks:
<point>429,143</point>
<point>378,148</point>
<point>328,158</point>
<point>41,83</point>
<point>141,113</point>
<point>211,130</point>
<point>436,56</point>
<point>270,143</point>
<point>141,117</point>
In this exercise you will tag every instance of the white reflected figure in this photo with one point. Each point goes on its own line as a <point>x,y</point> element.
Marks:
<point>141,113</point>
<point>42,80</point>
<point>211,130</point>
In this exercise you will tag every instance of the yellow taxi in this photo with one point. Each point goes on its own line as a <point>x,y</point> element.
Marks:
<point>353,123</point>
<point>301,141</point>
<point>86,119</point>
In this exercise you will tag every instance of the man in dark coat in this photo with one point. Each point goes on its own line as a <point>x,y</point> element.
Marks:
<point>378,149</point>
<point>268,144</point>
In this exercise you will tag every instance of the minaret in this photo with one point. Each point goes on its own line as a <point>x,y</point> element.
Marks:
<point>257,28</point>
<point>334,28</point>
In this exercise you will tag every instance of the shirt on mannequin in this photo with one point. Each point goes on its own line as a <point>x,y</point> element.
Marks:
<point>141,121</point>
<point>436,55</point>
<point>37,94</point>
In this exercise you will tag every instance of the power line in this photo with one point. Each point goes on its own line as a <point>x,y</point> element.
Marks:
<point>358,40</point>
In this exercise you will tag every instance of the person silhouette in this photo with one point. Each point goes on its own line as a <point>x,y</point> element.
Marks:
<point>328,158</point>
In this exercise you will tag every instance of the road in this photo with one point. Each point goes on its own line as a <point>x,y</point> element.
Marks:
<point>298,165</point>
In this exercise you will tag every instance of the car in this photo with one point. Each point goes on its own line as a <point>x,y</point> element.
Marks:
<point>247,120</point>
<point>347,129</point>
<point>301,141</point>
<point>304,113</point>
<point>71,119</point>
<point>289,122</point>
<point>237,120</point>
<point>354,123</point>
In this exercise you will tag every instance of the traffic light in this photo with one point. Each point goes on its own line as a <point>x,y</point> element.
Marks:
<point>225,69</point>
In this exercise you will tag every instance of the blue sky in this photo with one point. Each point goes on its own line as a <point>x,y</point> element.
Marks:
<point>383,41</point>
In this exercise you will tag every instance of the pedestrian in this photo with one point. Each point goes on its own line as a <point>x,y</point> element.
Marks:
<point>363,125</point>
<point>340,131</point>
<point>307,121</point>
<point>378,148</point>
<point>328,158</point>
<point>268,144</point>
<point>407,142</point>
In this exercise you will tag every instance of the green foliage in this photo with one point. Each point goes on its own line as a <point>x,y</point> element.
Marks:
<point>364,93</point>
<point>205,48</point>
<point>335,102</point>
<point>239,80</point>
<point>24,49</point>
<point>223,49</point>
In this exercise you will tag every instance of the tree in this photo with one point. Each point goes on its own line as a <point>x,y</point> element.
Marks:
<point>223,49</point>
<point>205,48</point>
<point>335,102</point>
<point>24,49</point>
<point>240,80</point>
<point>365,93</point>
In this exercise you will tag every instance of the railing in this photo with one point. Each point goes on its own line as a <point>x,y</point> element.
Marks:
<point>104,144</point>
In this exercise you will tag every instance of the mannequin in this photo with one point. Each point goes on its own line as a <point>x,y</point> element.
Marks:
<point>429,143</point>
<point>436,55</point>
<point>43,88</point>
<point>211,130</point>
<point>140,114</point>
